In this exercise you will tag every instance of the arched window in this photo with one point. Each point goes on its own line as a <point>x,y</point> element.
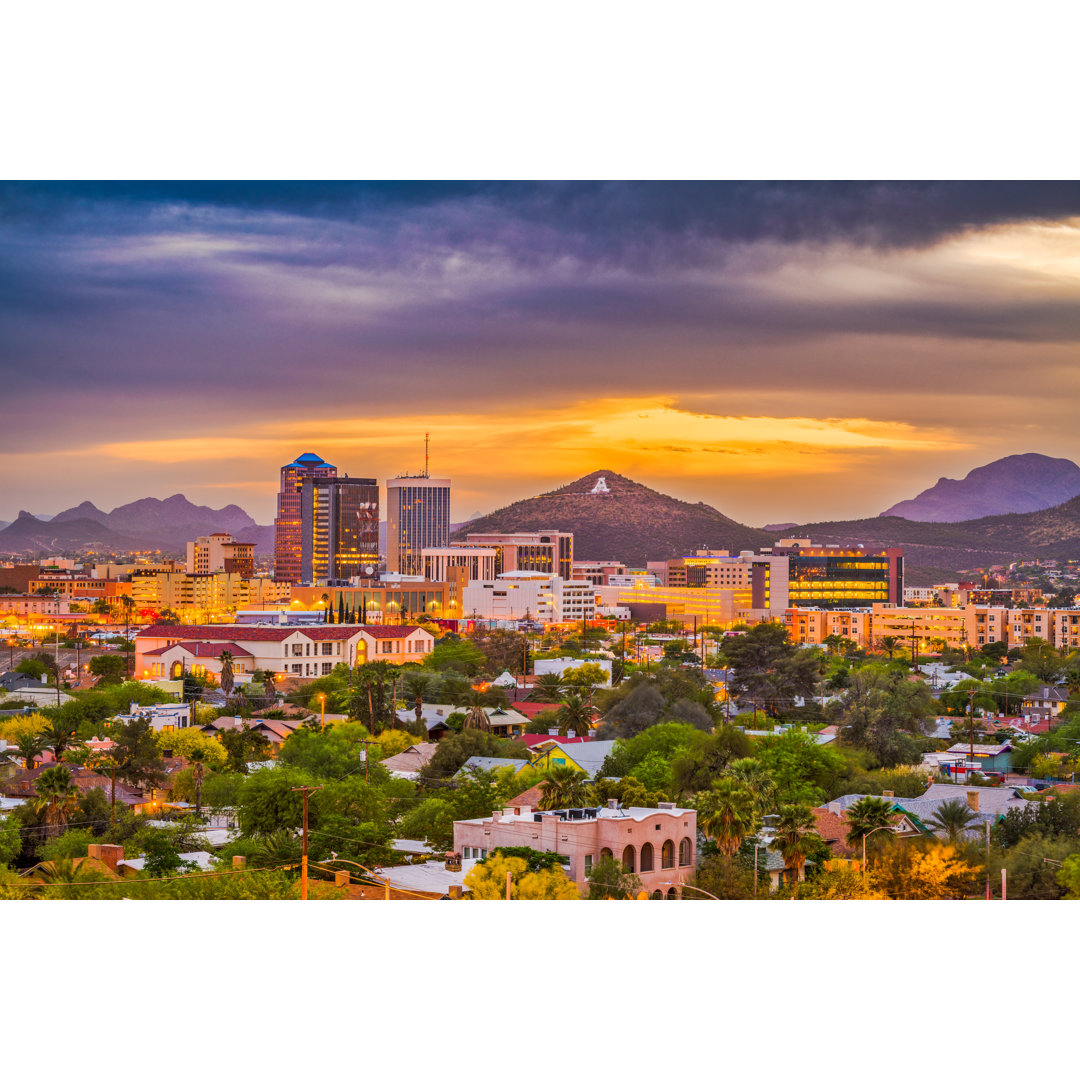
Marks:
<point>646,857</point>
<point>685,852</point>
<point>672,894</point>
<point>628,858</point>
<point>667,855</point>
<point>177,670</point>
<point>658,895</point>
<point>607,853</point>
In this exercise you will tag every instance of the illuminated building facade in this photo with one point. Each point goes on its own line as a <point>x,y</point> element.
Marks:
<point>288,525</point>
<point>339,520</point>
<point>219,551</point>
<point>541,553</point>
<point>381,602</point>
<point>417,517</point>
<point>832,576</point>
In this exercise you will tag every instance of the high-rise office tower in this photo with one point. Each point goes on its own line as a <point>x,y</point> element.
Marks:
<point>288,525</point>
<point>339,529</point>
<point>417,517</point>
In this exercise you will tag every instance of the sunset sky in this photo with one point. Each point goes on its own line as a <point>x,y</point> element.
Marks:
<point>784,352</point>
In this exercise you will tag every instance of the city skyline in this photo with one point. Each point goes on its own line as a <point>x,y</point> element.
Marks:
<point>835,347</point>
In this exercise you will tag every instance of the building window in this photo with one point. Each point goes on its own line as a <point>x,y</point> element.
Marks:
<point>646,858</point>
<point>328,648</point>
<point>327,669</point>
<point>387,646</point>
<point>588,863</point>
<point>298,650</point>
<point>667,855</point>
<point>685,852</point>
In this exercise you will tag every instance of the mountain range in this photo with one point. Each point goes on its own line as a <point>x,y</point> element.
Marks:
<point>144,525</point>
<point>613,516</point>
<point>1016,484</point>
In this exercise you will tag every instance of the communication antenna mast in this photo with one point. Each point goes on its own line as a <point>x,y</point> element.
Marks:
<point>427,440</point>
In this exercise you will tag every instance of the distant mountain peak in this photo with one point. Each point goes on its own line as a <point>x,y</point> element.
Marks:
<point>1017,484</point>
<point>612,516</point>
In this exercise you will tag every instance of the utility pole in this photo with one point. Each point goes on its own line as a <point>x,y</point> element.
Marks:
<point>367,742</point>
<point>971,724</point>
<point>303,843</point>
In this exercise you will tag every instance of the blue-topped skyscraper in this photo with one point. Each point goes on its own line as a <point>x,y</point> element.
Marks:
<point>288,525</point>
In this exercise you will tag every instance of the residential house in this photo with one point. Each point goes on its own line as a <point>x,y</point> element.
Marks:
<point>409,762</point>
<point>587,756</point>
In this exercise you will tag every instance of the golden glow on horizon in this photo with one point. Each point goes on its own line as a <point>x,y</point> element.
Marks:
<point>546,441</point>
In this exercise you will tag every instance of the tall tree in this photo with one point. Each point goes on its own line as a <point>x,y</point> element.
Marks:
<point>574,715</point>
<point>226,673</point>
<point>726,814</point>
<point>795,838</point>
<point>58,799</point>
<point>29,746</point>
<point>563,786</point>
<point>866,816</point>
<point>767,670</point>
<point>953,818</point>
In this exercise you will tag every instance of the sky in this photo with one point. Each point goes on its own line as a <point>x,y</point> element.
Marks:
<point>786,352</point>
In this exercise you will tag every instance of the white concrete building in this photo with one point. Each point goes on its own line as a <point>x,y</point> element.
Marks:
<point>520,594</point>
<point>562,664</point>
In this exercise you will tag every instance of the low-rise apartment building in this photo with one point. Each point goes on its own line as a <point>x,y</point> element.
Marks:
<point>167,651</point>
<point>659,845</point>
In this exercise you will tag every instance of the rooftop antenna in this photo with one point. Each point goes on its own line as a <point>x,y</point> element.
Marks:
<point>427,440</point>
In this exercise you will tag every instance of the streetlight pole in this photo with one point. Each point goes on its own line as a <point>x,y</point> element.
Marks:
<point>683,885</point>
<point>891,828</point>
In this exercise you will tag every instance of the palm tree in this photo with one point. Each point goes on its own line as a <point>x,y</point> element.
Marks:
<point>58,734</point>
<point>727,814</point>
<point>28,746</point>
<point>563,786</point>
<point>890,644</point>
<point>866,815</point>
<point>197,756</point>
<point>548,687</point>
<point>952,818</point>
<point>58,799</point>
<point>795,837</point>
<point>477,719</point>
<point>226,673</point>
<point>756,776</point>
<point>1072,680</point>
<point>574,715</point>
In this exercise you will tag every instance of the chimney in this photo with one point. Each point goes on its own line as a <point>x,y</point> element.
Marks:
<point>455,892</point>
<point>524,811</point>
<point>239,862</point>
<point>665,806</point>
<point>973,800</point>
<point>553,731</point>
<point>613,804</point>
<point>496,815</point>
<point>109,854</point>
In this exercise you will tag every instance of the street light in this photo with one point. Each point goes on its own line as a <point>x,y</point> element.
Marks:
<point>891,828</point>
<point>683,885</point>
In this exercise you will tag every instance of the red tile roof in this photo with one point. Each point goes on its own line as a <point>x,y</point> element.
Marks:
<point>532,708</point>
<point>273,633</point>
<point>535,740</point>
<point>832,828</point>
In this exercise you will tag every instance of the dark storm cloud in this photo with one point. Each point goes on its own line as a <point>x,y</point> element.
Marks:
<point>622,220</point>
<point>196,296</point>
